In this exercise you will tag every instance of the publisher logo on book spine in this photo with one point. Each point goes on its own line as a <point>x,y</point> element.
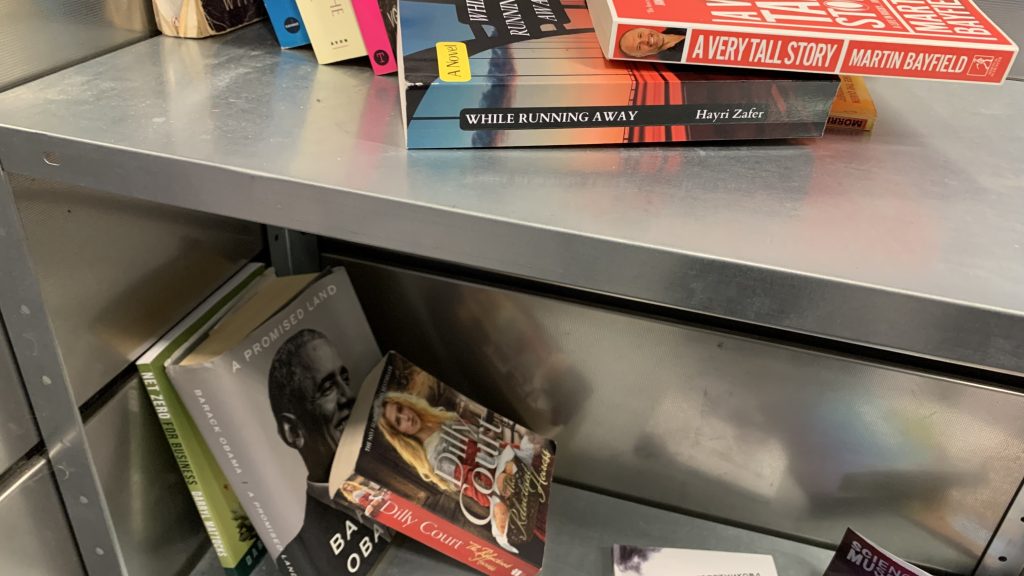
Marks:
<point>982,66</point>
<point>292,25</point>
<point>381,57</point>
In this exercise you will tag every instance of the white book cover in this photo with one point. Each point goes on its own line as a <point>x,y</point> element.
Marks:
<point>647,561</point>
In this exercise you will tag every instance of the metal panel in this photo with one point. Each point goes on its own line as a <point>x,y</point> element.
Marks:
<point>1005,554</point>
<point>46,35</point>
<point>46,380</point>
<point>1009,15</point>
<point>18,431</point>
<point>827,237</point>
<point>582,528</point>
<point>789,440</point>
<point>155,520</point>
<point>35,537</point>
<point>116,272</point>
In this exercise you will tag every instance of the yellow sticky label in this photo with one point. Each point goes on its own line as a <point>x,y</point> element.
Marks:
<point>453,62</point>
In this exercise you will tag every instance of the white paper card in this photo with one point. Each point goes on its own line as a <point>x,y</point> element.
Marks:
<point>644,561</point>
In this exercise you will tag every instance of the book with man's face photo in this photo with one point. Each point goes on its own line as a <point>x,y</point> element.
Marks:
<point>271,385</point>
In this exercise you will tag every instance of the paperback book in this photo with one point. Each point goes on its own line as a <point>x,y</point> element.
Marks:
<point>378,23</point>
<point>333,29</point>
<point>270,387</point>
<point>202,18</point>
<point>231,533</point>
<point>426,461</point>
<point>858,556</point>
<point>853,109</point>
<point>287,21</point>
<point>649,561</point>
<point>933,39</point>
<point>486,73</point>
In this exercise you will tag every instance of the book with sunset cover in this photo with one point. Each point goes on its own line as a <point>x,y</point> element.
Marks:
<point>489,73</point>
<point>930,39</point>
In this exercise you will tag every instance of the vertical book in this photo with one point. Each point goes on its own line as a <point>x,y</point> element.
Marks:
<point>236,545</point>
<point>854,109</point>
<point>426,461</point>
<point>333,29</point>
<point>288,26</point>
<point>270,387</point>
<point>932,39</point>
<point>202,18</point>
<point>378,23</point>
<point>488,73</point>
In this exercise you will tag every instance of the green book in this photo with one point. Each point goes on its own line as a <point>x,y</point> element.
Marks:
<point>231,533</point>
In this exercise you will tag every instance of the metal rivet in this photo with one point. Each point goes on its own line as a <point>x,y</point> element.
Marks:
<point>99,551</point>
<point>24,310</point>
<point>51,158</point>
<point>83,499</point>
<point>46,381</point>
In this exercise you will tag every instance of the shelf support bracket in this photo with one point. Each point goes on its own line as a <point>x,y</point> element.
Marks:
<point>53,402</point>
<point>292,252</point>
<point>1004,555</point>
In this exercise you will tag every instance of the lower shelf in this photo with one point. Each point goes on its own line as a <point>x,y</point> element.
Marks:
<point>583,526</point>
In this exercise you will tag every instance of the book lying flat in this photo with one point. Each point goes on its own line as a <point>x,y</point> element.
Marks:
<point>933,39</point>
<point>649,561</point>
<point>270,387</point>
<point>487,73</point>
<point>426,461</point>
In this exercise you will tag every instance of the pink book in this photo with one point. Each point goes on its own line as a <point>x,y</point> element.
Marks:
<point>378,22</point>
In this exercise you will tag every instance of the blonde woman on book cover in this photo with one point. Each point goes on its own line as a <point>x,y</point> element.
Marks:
<point>414,428</point>
<point>364,497</point>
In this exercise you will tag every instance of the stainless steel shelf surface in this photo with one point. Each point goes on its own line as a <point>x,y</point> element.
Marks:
<point>582,528</point>
<point>908,239</point>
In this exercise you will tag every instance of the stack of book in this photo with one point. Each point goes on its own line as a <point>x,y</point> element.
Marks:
<point>484,73</point>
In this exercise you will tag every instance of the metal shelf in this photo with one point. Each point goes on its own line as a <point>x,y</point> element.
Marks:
<point>582,528</point>
<point>907,239</point>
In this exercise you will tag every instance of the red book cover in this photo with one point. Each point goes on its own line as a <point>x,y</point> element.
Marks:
<point>931,39</point>
<point>426,461</point>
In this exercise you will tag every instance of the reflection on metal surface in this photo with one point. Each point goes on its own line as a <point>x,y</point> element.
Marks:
<point>789,440</point>
<point>770,233</point>
<point>35,537</point>
<point>116,273</point>
<point>18,430</point>
<point>155,520</point>
<point>1005,554</point>
<point>583,527</point>
<point>45,35</point>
